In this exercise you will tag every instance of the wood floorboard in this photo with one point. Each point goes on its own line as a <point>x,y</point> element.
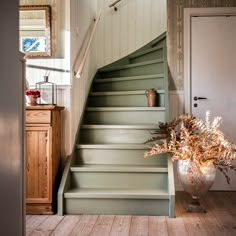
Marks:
<point>103,225</point>
<point>139,226</point>
<point>121,226</point>
<point>192,221</point>
<point>33,222</point>
<point>47,226</point>
<point>85,225</point>
<point>67,225</point>
<point>157,226</point>
<point>27,217</point>
<point>220,220</point>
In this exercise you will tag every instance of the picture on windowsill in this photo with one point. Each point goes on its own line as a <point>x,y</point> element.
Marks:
<point>33,44</point>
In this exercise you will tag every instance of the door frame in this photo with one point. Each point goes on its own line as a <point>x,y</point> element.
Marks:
<point>188,14</point>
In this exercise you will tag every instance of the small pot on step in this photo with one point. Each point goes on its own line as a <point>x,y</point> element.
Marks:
<point>152,97</point>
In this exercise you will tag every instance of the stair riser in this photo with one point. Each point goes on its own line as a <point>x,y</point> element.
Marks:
<point>155,68</point>
<point>137,100</point>
<point>119,157</point>
<point>129,85</point>
<point>159,43</point>
<point>106,136</point>
<point>117,206</point>
<point>125,180</point>
<point>158,54</point>
<point>123,117</point>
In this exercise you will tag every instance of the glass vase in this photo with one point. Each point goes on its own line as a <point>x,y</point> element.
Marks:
<point>196,179</point>
<point>48,91</point>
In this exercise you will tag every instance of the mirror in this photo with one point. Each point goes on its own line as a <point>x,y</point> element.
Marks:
<point>35,30</point>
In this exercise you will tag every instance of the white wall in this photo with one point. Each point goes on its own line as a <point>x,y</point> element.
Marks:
<point>60,59</point>
<point>119,33</point>
<point>82,17</point>
<point>59,41</point>
<point>135,24</point>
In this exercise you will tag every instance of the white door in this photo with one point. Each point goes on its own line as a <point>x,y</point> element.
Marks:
<point>213,76</point>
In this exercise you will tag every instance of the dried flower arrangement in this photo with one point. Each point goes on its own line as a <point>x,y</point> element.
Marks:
<point>188,137</point>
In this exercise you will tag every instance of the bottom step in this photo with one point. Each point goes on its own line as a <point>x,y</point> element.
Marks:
<point>117,202</point>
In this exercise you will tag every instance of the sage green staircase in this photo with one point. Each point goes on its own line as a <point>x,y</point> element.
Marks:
<point>107,173</point>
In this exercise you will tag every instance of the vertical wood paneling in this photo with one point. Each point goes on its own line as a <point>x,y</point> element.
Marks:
<point>64,100</point>
<point>123,29</point>
<point>140,23</point>
<point>100,37</point>
<point>159,17</point>
<point>135,23</point>
<point>87,10</point>
<point>147,28</point>
<point>131,25</point>
<point>115,26</point>
<point>108,32</point>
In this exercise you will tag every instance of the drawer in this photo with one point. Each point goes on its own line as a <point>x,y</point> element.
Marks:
<point>38,117</point>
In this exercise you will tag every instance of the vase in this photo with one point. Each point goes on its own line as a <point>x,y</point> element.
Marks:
<point>196,179</point>
<point>152,96</point>
<point>32,100</point>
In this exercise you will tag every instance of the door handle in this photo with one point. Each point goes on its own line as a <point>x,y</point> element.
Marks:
<point>198,98</point>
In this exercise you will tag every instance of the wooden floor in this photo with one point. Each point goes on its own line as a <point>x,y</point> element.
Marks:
<point>219,220</point>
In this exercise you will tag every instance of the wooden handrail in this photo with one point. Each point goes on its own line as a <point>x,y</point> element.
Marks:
<point>114,3</point>
<point>80,70</point>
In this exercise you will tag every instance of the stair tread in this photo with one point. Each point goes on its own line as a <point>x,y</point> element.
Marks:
<point>113,146</point>
<point>136,77</point>
<point>118,168</point>
<point>132,65</point>
<point>137,127</point>
<point>125,109</point>
<point>116,193</point>
<point>146,51</point>
<point>158,39</point>
<point>134,92</point>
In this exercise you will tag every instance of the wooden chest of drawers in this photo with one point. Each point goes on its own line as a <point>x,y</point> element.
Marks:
<point>43,154</point>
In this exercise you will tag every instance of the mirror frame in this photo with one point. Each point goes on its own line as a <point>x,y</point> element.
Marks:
<point>47,9</point>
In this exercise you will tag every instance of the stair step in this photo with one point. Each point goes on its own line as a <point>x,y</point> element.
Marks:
<point>124,99</point>
<point>140,68</point>
<point>122,93</point>
<point>101,134</point>
<point>123,67</point>
<point>117,168</point>
<point>132,177</point>
<point>147,54</point>
<point>117,193</point>
<point>128,78</point>
<point>141,127</point>
<point>117,201</point>
<point>114,146</point>
<point>138,54</point>
<point>123,154</point>
<point>159,40</point>
<point>125,109</point>
<point>124,115</point>
<point>130,83</point>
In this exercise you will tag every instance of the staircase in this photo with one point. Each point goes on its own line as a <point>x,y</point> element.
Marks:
<point>107,173</point>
